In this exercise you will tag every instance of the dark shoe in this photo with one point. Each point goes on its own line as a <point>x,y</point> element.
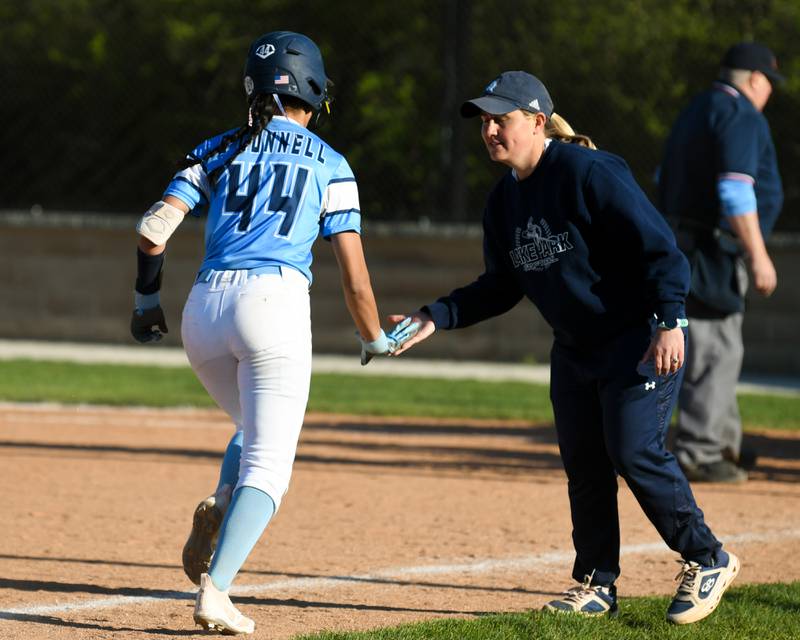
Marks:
<point>746,460</point>
<point>202,540</point>
<point>720,471</point>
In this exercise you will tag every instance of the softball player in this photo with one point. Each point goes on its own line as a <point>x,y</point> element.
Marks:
<point>271,187</point>
<point>569,228</point>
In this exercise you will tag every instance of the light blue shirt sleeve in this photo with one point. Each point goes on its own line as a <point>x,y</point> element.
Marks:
<point>340,222</point>
<point>191,185</point>
<point>736,196</point>
<point>340,203</point>
<point>186,192</point>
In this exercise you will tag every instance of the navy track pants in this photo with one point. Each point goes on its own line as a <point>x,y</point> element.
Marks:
<point>612,419</point>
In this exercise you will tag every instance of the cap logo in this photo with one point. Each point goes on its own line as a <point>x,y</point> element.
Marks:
<point>535,104</point>
<point>491,86</point>
<point>264,51</point>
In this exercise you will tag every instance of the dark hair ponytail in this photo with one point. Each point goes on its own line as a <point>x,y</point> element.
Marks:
<point>260,113</point>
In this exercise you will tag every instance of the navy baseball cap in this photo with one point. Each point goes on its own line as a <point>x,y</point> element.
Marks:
<point>511,90</point>
<point>753,56</point>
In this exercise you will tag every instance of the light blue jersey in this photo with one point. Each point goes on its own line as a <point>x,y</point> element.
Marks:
<point>273,199</point>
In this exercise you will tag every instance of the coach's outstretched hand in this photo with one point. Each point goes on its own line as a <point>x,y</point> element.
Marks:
<point>409,330</point>
<point>148,325</point>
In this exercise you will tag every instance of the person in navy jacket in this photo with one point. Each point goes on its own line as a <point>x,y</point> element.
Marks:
<point>721,191</point>
<point>569,228</point>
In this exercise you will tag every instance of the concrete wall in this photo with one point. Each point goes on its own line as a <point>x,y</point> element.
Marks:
<point>71,278</point>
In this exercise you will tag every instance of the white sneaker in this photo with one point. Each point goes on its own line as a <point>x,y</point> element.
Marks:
<point>200,546</point>
<point>701,588</point>
<point>215,611</point>
<point>587,600</point>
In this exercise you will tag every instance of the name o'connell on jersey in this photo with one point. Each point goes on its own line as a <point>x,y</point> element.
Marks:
<point>288,142</point>
<point>273,199</point>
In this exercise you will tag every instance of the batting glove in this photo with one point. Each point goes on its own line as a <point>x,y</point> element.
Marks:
<point>379,346</point>
<point>403,332</point>
<point>147,322</point>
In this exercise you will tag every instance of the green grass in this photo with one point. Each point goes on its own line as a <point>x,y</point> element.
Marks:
<point>769,411</point>
<point>763,612</point>
<point>35,381</point>
<point>430,397</point>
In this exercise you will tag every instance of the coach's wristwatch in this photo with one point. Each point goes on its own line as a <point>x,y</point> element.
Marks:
<point>674,323</point>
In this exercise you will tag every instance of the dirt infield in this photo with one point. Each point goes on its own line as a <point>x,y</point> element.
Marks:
<point>386,521</point>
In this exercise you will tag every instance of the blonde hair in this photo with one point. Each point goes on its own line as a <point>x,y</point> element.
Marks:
<point>559,129</point>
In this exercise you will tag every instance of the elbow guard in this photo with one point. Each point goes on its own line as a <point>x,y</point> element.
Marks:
<point>159,222</point>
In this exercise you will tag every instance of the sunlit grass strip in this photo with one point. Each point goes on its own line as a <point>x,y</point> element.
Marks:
<point>765,612</point>
<point>35,381</point>
<point>136,385</point>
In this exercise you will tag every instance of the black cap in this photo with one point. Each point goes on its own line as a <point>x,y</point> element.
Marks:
<point>753,56</point>
<point>510,91</point>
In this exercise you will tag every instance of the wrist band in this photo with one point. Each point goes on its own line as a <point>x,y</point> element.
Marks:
<point>148,271</point>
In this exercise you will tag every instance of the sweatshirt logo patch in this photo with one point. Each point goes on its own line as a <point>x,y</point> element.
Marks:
<point>542,247</point>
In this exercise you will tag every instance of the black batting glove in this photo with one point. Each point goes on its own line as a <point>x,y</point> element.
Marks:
<point>148,325</point>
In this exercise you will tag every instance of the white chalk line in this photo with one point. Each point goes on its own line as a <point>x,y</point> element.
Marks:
<point>527,563</point>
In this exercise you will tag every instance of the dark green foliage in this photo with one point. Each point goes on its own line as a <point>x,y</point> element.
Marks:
<point>102,98</point>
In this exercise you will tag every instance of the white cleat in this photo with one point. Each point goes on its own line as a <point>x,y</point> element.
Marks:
<point>214,611</point>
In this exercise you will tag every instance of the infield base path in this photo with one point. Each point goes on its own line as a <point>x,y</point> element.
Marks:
<point>387,521</point>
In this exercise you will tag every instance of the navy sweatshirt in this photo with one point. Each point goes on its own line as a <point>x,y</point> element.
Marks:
<point>581,240</point>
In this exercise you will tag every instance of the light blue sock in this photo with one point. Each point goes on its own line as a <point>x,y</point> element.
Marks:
<point>229,472</point>
<point>248,515</point>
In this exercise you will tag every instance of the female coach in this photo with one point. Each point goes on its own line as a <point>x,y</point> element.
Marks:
<point>569,228</point>
<point>271,186</point>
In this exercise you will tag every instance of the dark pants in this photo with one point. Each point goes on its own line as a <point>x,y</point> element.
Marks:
<point>611,419</point>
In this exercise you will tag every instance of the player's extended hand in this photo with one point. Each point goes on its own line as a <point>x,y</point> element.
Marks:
<point>409,330</point>
<point>148,325</point>
<point>667,349</point>
<point>403,332</point>
<point>379,346</point>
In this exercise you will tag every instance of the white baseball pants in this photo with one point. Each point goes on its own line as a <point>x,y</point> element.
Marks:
<point>248,339</point>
